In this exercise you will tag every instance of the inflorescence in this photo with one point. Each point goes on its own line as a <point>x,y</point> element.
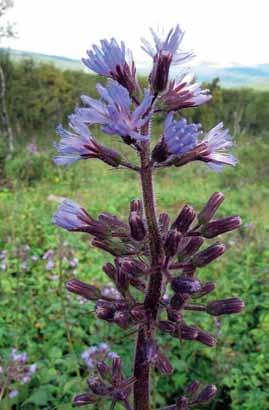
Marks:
<point>125,111</point>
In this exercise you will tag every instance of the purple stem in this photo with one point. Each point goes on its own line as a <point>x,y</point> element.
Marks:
<point>154,290</point>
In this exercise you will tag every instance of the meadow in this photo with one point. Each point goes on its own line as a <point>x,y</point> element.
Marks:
<point>54,327</point>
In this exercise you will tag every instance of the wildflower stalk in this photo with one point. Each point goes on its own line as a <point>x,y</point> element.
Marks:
<point>152,298</point>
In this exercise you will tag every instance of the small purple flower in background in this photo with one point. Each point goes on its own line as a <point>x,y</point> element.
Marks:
<point>184,94</point>
<point>3,260</point>
<point>98,353</point>
<point>13,394</point>
<point>113,111</point>
<point>115,61</point>
<point>15,370</point>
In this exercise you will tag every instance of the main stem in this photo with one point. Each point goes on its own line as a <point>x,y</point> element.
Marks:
<point>153,294</point>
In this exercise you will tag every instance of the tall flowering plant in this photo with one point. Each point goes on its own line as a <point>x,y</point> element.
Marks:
<point>155,270</point>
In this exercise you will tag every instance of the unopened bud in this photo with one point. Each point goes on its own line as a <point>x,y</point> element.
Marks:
<point>122,280</point>
<point>178,300</point>
<point>211,207</point>
<point>104,370</point>
<point>104,310</point>
<point>84,399</point>
<point>225,306</point>
<point>167,327</point>
<point>83,289</point>
<point>206,338</point>
<point>122,318</point>
<point>172,243</point>
<point>97,386</point>
<point>138,313</point>
<point>192,388</point>
<point>184,219</point>
<point>136,206</point>
<point>206,289</point>
<point>110,270</point>
<point>163,364</point>
<point>207,394</point>
<point>213,252</point>
<point>193,245</point>
<point>116,370</point>
<point>185,284</point>
<point>164,223</point>
<point>182,403</point>
<point>215,228</point>
<point>137,226</point>
<point>187,332</point>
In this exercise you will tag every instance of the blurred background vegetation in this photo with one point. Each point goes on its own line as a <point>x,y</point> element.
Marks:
<point>36,258</point>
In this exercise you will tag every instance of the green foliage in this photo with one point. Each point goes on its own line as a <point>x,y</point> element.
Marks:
<point>41,95</point>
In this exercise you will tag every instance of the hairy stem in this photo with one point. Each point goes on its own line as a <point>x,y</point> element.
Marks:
<point>154,291</point>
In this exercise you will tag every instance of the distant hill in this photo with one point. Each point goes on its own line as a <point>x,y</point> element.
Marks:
<point>256,76</point>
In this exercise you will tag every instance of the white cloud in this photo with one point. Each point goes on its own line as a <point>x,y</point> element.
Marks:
<point>223,31</point>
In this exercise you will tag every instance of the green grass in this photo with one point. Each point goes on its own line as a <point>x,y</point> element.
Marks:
<point>37,314</point>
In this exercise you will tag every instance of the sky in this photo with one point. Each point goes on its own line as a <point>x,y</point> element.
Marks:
<point>224,32</point>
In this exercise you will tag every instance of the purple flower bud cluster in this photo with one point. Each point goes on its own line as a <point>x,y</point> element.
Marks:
<point>195,395</point>
<point>106,379</point>
<point>15,371</point>
<point>154,276</point>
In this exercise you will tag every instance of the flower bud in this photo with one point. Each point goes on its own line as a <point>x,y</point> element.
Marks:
<point>84,399</point>
<point>182,403</point>
<point>225,306</point>
<point>195,242</point>
<point>205,257</point>
<point>122,280</point>
<point>104,310</point>
<point>97,386</point>
<point>206,338</point>
<point>163,364</point>
<point>159,75</point>
<point>172,243</point>
<point>205,290</point>
<point>137,226</point>
<point>192,388</point>
<point>187,332</point>
<point>116,370</point>
<point>174,315</point>
<point>104,370</point>
<point>185,284</point>
<point>184,219</point>
<point>215,228</point>
<point>136,206</point>
<point>178,300</point>
<point>122,318</point>
<point>83,289</point>
<point>164,223</point>
<point>110,270</point>
<point>211,207</point>
<point>207,394</point>
<point>167,327</point>
<point>138,313</point>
